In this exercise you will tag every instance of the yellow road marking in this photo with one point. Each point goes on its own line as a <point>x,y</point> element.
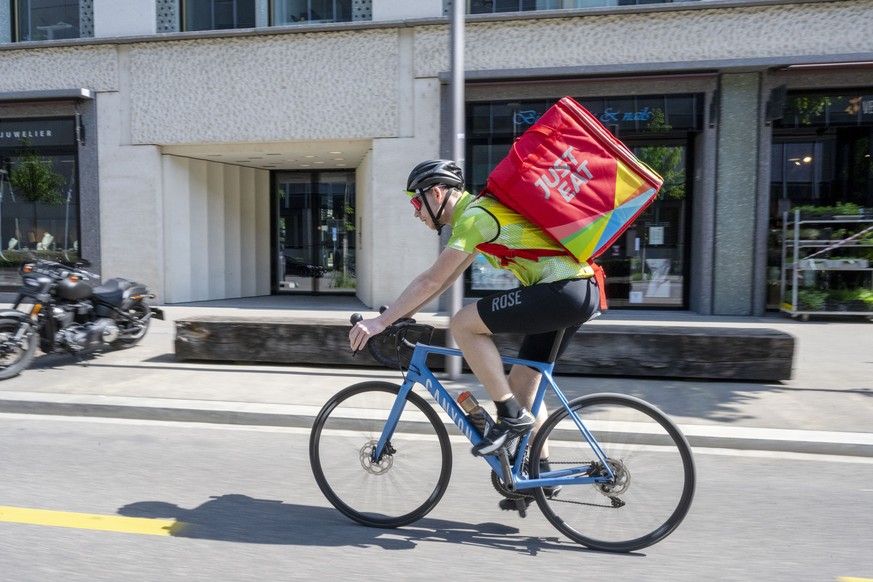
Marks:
<point>115,523</point>
<point>850,579</point>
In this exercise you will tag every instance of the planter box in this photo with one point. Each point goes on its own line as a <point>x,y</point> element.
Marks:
<point>856,306</point>
<point>848,263</point>
<point>813,264</point>
<point>806,215</point>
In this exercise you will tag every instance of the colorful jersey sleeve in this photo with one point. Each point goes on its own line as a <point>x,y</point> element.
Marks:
<point>472,227</point>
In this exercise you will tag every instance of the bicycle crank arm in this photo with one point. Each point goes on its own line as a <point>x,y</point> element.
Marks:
<point>509,483</point>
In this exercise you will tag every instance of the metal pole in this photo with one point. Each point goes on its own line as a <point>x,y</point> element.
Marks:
<point>456,292</point>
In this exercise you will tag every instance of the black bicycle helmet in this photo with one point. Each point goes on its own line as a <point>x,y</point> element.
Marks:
<point>432,172</point>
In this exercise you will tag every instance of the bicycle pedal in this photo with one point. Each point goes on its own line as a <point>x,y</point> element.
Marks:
<point>519,504</point>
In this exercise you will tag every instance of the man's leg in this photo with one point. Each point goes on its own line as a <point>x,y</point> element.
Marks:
<point>474,339</point>
<point>524,381</point>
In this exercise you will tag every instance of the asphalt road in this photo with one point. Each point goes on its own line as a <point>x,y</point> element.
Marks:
<point>254,513</point>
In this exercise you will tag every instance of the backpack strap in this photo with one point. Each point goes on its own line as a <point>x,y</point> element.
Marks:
<point>600,278</point>
<point>506,254</point>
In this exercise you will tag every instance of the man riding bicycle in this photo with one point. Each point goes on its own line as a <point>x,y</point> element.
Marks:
<point>557,293</point>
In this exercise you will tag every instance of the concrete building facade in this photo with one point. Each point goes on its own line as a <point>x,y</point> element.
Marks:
<point>183,140</point>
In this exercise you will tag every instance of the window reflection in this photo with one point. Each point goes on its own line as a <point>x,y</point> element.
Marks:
<point>218,14</point>
<point>495,6</point>
<point>294,11</point>
<point>46,19</point>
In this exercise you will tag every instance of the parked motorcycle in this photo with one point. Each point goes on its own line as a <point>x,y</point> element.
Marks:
<point>67,309</point>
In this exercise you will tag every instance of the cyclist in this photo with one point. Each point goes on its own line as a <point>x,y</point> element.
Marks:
<point>557,292</point>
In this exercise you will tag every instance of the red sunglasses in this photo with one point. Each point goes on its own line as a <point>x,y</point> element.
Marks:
<point>416,200</point>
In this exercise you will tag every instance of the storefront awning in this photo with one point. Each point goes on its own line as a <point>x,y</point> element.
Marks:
<point>56,95</point>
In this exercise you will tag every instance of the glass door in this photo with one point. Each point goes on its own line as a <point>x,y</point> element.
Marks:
<point>316,242</point>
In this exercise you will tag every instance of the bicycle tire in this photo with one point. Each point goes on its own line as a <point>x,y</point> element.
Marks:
<point>408,481</point>
<point>655,470</point>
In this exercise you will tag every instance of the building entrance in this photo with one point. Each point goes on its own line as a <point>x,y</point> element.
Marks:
<point>316,232</point>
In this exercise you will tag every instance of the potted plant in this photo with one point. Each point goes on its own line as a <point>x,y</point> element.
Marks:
<point>846,210</point>
<point>35,180</point>
<point>811,299</point>
<point>850,300</point>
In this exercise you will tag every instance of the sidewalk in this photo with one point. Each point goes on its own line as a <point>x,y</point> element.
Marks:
<point>825,407</point>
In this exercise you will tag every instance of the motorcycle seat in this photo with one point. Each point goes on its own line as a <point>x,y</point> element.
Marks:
<point>112,291</point>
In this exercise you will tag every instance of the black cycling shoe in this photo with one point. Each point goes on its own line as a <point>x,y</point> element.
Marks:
<point>504,430</point>
<point>507,504</point>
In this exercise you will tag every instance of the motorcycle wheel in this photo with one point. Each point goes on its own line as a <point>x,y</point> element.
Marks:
<point>15,359</point>
<point>130,334</point>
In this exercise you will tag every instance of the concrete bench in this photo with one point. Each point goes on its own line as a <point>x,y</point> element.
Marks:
<point>724,353</point>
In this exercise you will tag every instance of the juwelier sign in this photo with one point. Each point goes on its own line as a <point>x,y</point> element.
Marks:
<point>37,132</point>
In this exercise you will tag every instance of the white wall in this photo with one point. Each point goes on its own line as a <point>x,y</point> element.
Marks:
<point>216,230</point>
<point>129,181</point>
<point>124,17</point>
<point>400,245</point>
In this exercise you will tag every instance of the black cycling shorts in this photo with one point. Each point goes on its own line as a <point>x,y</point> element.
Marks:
<point>539,312</point>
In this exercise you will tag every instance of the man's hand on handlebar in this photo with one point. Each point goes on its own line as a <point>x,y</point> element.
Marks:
<point>363,330</point>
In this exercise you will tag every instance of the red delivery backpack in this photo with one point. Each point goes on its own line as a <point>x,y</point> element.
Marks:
<point>575,180</point>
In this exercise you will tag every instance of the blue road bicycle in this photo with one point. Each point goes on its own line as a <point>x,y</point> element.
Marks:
<point>622,475</point>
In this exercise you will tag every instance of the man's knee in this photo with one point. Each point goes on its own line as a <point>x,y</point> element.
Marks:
<point>468,322</point>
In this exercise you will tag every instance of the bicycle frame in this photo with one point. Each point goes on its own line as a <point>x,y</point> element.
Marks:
<point>419,373</point>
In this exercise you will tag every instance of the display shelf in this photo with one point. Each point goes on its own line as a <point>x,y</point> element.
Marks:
<point>831,275</point>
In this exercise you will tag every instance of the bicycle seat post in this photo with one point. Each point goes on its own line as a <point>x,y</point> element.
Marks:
<point>559,337</point>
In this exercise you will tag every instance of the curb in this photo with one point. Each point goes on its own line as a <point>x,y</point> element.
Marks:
<point>300,416</point>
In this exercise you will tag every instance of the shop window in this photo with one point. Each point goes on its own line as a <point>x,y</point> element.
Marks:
<point>39,199</point>
<point>821,158</point>
<point>646,267</point>
<point>35,20</point>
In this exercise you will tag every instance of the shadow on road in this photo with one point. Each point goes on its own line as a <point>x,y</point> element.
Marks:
<point>244,519</point>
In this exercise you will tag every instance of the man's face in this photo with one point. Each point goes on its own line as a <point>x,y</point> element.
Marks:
<point>421,212</point>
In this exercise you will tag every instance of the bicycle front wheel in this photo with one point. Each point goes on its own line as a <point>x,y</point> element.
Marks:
<point>654,474</point>
<point>406,482</point>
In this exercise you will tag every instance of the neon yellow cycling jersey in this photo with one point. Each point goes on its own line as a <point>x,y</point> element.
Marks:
<point>484,221</point>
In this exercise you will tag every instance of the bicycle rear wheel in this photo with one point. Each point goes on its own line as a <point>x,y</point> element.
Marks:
<point>410,478</point>
<point>653,467</point>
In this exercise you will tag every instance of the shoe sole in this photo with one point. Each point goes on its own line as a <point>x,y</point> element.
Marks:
<point>494,447</point>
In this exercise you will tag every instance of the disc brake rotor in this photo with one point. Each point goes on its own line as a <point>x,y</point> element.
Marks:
<point>375,468</point>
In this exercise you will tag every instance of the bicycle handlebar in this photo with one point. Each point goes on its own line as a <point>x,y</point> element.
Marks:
<point>396,334</point>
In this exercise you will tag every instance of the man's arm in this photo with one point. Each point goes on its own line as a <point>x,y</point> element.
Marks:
<point>429,284</point>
